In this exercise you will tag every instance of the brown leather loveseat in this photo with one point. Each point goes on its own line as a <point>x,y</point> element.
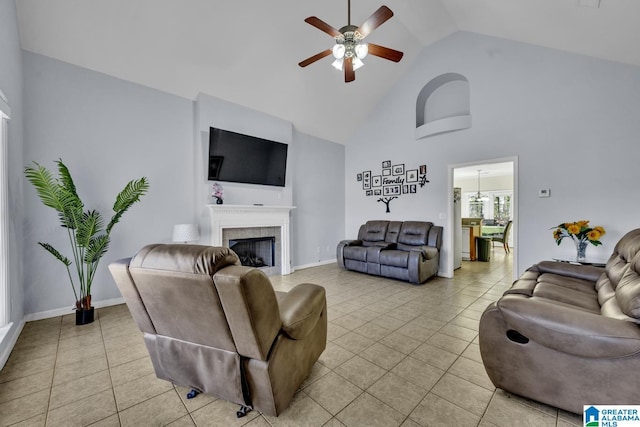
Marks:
<point>569,335</point>
<point>219,328</point>
<point>408,250</point>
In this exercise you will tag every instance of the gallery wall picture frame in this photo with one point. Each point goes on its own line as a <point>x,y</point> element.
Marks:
<point>369,192</point>
<point>386,172</point>
<point>359,177</point>
<point>376,181</point>
<point>412,175</point>
<point>391,190</point>
<point>398,169</point>
<point>366,180</point>
<point>405,189</point>
<point>386,164</point>
<point>377,192</point>
<point>423,169</point>
<point>412,188</point>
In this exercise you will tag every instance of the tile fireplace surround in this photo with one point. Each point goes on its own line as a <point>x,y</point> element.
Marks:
<point>224,217</point>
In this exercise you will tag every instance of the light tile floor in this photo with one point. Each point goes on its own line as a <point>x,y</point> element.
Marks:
<point>397,355</point>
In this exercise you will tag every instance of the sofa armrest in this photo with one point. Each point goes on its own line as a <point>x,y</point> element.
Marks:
<point>584,272</point>
<point>427,252</point>
<point>340,250</point>
<point>568,329</point>
<point>351,243</point>
<point>301,308</point>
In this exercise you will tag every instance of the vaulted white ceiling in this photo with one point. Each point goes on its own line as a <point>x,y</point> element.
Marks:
<point>247,51</point>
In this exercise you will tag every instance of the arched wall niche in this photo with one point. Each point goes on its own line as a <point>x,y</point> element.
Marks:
<point>443,105</point>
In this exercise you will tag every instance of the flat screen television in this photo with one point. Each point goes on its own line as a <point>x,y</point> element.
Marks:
<point>234,157</point>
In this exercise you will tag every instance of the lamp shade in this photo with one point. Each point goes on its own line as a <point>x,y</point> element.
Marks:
<point>185,233</point>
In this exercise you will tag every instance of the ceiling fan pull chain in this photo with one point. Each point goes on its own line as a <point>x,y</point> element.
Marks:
<point>348,12</point>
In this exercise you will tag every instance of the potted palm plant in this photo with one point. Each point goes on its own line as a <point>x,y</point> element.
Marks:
<point>88,236</point>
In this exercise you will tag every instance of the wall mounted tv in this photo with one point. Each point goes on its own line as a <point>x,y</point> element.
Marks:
<point>234,157</point>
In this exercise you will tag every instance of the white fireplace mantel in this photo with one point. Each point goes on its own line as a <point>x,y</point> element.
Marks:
<point>248,216</point>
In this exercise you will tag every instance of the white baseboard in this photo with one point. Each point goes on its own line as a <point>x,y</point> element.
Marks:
<point>316,264</point>
<point>8,338</point>
<point>68,310</point>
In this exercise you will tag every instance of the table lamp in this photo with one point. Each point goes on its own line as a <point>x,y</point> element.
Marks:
<point>185,233</point>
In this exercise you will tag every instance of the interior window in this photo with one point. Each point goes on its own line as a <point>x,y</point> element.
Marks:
<point>4,218</point>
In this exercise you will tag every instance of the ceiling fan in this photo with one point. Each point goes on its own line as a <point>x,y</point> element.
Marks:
<point>350,49</point>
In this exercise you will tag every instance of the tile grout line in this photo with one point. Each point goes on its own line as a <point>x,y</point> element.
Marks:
<point>53,375</point>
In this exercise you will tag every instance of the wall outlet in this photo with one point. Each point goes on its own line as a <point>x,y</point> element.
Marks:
<point>544,192</point>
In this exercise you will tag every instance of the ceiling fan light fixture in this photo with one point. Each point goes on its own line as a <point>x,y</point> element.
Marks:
<point>357,63</point>
<point>362,49</point>
<point>349,48</point>
<point>338,51</point>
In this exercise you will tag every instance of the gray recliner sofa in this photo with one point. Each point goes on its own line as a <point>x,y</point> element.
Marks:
<point>219,328</point>
<point>408,250</point>
<point>569,335</point>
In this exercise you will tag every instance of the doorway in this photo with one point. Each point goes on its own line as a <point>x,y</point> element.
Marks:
<point>486,196</point>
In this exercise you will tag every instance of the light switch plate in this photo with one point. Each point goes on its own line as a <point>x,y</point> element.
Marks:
<point>545,192</point>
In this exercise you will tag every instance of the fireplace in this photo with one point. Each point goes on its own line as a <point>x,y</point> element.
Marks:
<point>237,222</point>
<point>255,251</point>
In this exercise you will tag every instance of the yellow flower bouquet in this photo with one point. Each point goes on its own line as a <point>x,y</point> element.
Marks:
<point>581,234</point>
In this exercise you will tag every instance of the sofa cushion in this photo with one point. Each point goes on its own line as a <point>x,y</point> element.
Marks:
<point>358,253</point>
<point>574,297</point>
<point>373,231</point>
<point>414,233</point>
<point>393,231</point>
<point>396,258</point>
<point>628,290</point>
<point>624,251</point>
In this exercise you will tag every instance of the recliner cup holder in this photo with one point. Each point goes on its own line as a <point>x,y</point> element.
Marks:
<point>516,336</point>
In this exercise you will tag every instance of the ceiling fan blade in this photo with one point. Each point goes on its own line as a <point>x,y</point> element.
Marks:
<point>322,26</point>
<point>378,18</point>
<point>314,58</point>
<point>385,52</point>
<point>349,74</point>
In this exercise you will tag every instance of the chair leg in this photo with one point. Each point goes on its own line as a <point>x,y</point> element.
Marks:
<point>506,247</point>
<point>244,410</point>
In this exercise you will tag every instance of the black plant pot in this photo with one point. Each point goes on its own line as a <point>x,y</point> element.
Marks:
<point>84,317</point>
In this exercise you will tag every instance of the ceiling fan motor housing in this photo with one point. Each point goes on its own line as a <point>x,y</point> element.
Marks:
<point>349,37</point>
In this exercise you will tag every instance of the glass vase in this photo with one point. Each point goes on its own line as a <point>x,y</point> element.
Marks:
<point>581,250</point>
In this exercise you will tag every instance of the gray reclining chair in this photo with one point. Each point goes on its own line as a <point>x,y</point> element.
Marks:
<point>219,328</point>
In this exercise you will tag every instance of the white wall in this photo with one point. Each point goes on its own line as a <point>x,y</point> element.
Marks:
<point>319,197</point>
<point>570,120</point>
<point>107,131</point>
<point>11,84</point>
